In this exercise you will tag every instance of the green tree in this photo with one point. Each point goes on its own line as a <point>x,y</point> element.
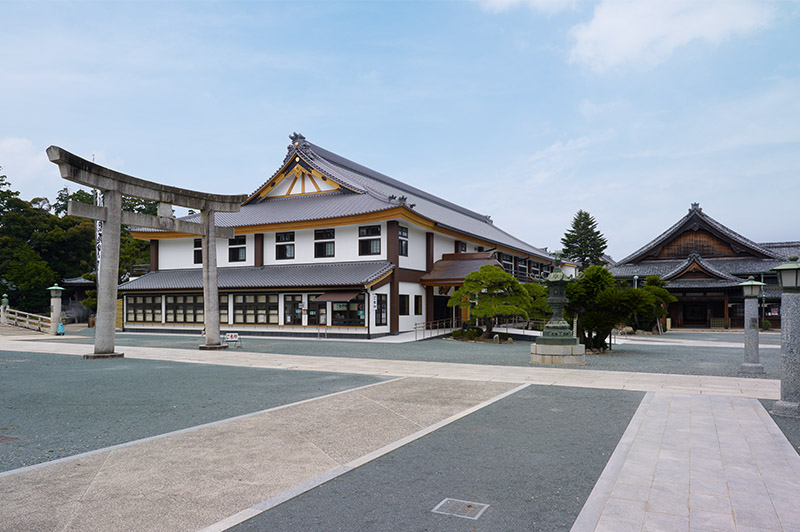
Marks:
<point>583,243</point>
<point>495,294</point>
<point>538,309</point>
<point>5,191</point>
<point>63,196</point>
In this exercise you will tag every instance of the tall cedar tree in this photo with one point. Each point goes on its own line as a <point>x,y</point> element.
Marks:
<point>583,243</point>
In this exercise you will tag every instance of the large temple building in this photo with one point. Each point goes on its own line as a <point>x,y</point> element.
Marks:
<point>703,263</point>
<point>329,246</point>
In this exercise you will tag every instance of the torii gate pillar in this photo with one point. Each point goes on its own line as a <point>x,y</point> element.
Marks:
<point>114,185</point>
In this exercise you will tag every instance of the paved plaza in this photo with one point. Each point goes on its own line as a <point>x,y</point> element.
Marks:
<point>661,434</point>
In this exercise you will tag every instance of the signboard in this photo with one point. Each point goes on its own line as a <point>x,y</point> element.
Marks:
<point>232,337</point>
<point>374,301</point>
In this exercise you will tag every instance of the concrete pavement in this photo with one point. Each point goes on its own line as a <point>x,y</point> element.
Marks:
<point>699,454</point>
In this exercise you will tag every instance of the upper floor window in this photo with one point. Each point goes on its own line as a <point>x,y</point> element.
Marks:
<point>198,251</point>
<point>237,250</point>
<point>403,244</point>
<point>369,230</point>
<point>324,245</point>
<point>285,247</point>
<point>369,246</point>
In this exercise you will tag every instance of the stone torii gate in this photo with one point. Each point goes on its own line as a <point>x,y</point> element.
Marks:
<point>114,185</point>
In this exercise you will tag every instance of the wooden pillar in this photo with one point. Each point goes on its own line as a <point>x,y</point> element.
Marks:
<point>154,255</point>
<point>393,256</point>
<point>429,268</point>
<point>259,249</point>
<point>725,310</point>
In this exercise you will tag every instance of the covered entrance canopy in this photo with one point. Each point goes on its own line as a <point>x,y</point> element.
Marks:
<point>450,271</point>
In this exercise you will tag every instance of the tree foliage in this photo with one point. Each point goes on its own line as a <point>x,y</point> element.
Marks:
<point>582,242</point>
<point>538,308</point>
<point>601,304</point>
<point>494,292</point>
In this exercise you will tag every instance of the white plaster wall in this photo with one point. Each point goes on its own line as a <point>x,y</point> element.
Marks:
<point>346,246</point>
<point>407,322</point>
<point>416,248</point>
<point>442,244</point>
<point>382,329</point>
<point>175,253</point>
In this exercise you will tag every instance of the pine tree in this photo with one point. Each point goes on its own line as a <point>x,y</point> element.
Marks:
<point>583,243</point>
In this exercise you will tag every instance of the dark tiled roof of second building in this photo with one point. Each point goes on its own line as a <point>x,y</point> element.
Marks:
<point>315,275</point>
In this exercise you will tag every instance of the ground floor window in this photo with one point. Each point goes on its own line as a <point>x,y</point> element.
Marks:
<point>349,313</point>
<point>403,304</point>
<point>255,308</point>
<point>292,310</point>
<point>381,312</point>
<point>418,305</point>
<point>317,311</point>
<point>184,309</point>
<point>143,308</point>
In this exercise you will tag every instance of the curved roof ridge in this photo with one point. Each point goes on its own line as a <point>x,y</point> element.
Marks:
<point>697,211</point>
<point>696,257</point>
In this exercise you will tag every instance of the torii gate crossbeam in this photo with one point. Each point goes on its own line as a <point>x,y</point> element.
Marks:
<point>116,184</point>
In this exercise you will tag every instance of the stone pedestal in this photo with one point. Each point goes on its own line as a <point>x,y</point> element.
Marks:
<point>789,405</point>
<point>751,362</point>
<point>558,351</point>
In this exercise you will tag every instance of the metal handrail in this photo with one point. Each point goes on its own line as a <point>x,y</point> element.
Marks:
<point>430,329</point>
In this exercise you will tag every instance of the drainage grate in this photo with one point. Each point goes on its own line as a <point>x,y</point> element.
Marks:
<point>7,439</point>
<point>466,509</point>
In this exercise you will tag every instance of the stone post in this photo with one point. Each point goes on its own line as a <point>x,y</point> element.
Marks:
<point>789,405</point>
<point>55,308</point>
<point>210,287</point>
<point>751,362</point>
<point>4,308</point>
<point>107,280</point>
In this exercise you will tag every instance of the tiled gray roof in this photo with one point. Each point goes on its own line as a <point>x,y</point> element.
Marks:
<point>732,267</point>
<point>784,249</point>
<point>315,275</point>
<point>374,192</point>
<point>696,214</point>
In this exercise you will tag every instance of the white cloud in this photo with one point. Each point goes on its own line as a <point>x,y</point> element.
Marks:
<point>547,6</point>
<point>28,169</point>
<point>645,33</point>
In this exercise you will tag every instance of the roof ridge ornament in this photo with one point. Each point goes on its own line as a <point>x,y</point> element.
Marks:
<point>696,207</point>
<point>300,144</point>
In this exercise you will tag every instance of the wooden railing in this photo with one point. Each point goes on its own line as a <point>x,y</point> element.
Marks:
<point>27,320</point>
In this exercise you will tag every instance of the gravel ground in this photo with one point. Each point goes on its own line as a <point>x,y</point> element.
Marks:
<point>63,405</point>
<point>662,354</point>
<point>534,457</point>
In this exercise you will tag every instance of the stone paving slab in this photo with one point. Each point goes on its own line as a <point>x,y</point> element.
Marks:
<point>195,478</point>
<point>697,463</point>
<point>699,384</point>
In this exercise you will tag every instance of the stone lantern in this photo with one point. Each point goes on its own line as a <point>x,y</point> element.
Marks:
<point>558,345</point>
<point>55,307</point>
<point>751,289</point>
<point>789,278</point>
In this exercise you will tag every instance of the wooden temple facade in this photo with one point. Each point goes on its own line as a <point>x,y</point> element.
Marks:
<point>703,262</point>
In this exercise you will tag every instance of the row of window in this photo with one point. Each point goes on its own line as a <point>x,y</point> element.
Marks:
<point>262,309</point>
<point>247,309</point>
<point>324,244</point>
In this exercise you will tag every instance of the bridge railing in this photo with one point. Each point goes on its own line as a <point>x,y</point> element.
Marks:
<point>27,320</point>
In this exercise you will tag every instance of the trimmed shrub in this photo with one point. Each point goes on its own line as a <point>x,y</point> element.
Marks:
<point>471,334</point>
<point>458,334</point>
<point>504,337</point>
<point>766,325</point>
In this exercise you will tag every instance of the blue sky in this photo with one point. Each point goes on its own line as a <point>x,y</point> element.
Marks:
<point>526,110</point>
